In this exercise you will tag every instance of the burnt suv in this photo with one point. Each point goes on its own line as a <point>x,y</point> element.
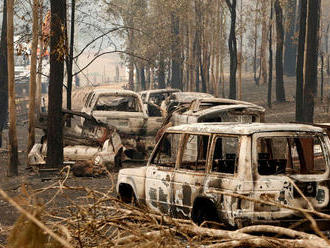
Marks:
<point>198,170</point>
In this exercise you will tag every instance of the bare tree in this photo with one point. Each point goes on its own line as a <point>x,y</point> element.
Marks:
<point>69,60</point>
<point>176,55</point>
<point>57,51</point>
<point>310,68</point>
<point>41,49</point>
<point>33,72</point>
<point>263,46</point>
<point>3,72</point>
<point>270,50</point>
<point>280,92</point>
<point>290,45</point>
<point>300,60</point>
<point>13,147</point>
<point>232,44</point>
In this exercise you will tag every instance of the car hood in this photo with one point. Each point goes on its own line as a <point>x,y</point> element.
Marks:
<point>136,172</point>
<point>226,108</point>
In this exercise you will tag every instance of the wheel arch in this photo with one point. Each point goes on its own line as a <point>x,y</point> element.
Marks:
<point>204,203</point>
<point>126,192</point>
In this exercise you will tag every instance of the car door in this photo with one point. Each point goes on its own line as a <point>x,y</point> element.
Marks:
<point>159,174</point>
<point>189,176</point>
<point>230,172</point>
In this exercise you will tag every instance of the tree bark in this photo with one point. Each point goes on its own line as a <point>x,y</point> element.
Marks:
<point>290,46</point>
<point>33,74</point>
<point>197,44</point>
<point>55,123</point>
<point>312,41</point>
<point>256,78</point>
<point>176,53</point>
<point>41,51</point>
<point>270,49</point>
<point>263,47</point>
<point>322,76</point>
<point>130,74</point>
<point>70,59</point>
<point>327,48</point>
<point>300,61</point>
<point>13,147</point>
<point>232,49</point>
<point>161,73</point>
<point>142,78</point>
<point>3,72</point>
<point>280,92</point>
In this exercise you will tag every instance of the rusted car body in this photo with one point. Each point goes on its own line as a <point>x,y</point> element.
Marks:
<point>197,170</point>
<point>156,96</point>
<point>214,110</point>
<point>124,110</point>
<point>218,110</point>
<point>181,99</point>
<point>93,141</point>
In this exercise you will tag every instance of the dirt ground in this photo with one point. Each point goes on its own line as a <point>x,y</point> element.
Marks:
<point>280,112</point>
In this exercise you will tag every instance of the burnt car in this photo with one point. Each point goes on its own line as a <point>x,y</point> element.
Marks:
<point>153,99</point>
<point>201,172</point>
<point>156,96</point>
<point>181,99</point>
<point>124,110</point>
<point>93,141</point>
<point>217,110</point>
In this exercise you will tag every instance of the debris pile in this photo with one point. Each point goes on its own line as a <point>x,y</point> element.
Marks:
<point>101,220</point>
<point>87,169</point>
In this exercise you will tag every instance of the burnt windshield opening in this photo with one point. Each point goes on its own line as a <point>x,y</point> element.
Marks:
<point>290,155</point>
<point>117,103</point>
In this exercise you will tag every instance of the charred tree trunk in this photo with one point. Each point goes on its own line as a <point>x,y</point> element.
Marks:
<point>280,92</point>
<point>161,73</point>
<point>256,78</point>
<point>148,76</point>
<point>327,48</point>
<point>322,75</point>
<point>300,60</point>
<point>142,78</point>
<point>55,122</point>
<point>3,72</point>
<point>176,53</point>
<point>270,49</point>
<point>69,61</point>
<point>130,74</point>
<point>130,37</point>
<point>13,146</point>
<point>137,86</point>
<point>33,74</point>
<point>41,49</point>
<point>312,41</point>
<point>263,47</point>
<point>232,49</point>
<point>290,46</point>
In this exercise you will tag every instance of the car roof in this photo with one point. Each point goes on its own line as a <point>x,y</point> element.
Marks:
<point>159,91</point>
<point>189,96</point>
<point>230,107</point>
<point>223,100</point>
<point>114,92</point>
<point>244,128</point>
